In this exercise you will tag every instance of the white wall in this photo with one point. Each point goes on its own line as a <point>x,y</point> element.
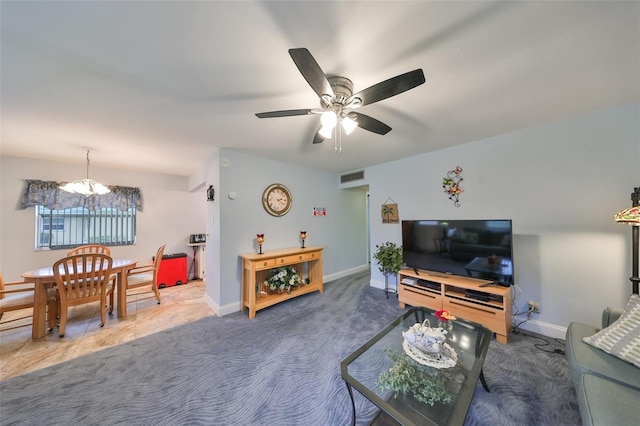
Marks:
<point>560,184</point>
<point>342,232</point>
<point>170,212</point>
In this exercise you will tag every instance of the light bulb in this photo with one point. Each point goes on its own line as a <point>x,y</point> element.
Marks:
<point>326,132</point>
<point>349,124</point>
<point>328,119</point>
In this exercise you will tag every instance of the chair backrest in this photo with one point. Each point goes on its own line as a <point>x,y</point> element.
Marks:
<point>1,286</point>
<point>82,276</point>
<point>90,248</point>
<point>156,262</point>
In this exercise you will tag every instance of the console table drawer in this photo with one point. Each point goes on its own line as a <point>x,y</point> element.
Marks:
<point>288,260</point>
<point>265,264</point>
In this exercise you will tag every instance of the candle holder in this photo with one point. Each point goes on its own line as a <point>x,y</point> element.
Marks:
<point>260,240</point>
<point>303,236</point>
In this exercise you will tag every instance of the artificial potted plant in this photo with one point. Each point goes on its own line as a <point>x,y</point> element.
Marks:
<point>389,258</point>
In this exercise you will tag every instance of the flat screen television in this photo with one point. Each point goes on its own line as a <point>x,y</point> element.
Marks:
<point>473,248</point>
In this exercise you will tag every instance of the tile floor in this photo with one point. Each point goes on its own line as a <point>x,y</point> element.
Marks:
<point>19,354</point>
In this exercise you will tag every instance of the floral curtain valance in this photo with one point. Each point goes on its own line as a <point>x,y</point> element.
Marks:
<point>49,194</point>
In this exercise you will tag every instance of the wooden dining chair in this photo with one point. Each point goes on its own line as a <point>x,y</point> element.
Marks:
<point>90,248</point>
<point>17,295</point>
<point>146,275</point>
<point>80,279</point>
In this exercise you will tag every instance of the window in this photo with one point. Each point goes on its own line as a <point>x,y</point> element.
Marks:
<point>59,229</point>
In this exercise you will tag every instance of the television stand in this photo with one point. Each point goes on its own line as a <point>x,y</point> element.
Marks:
<point>473,299</point>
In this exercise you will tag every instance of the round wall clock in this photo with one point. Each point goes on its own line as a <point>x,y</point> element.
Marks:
<point>276,199</point>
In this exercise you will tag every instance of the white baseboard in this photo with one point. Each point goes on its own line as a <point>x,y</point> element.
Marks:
<point>380,284</point>
<point>221,310</point>
<point>544,328</point>
<point>345,273</point>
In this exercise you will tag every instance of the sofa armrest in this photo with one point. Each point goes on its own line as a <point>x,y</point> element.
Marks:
<point>610,315</point>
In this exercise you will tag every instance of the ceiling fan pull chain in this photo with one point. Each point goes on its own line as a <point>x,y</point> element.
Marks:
<point>338,137</point>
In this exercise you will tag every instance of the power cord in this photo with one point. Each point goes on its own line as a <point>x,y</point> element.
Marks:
<point>544,342</point>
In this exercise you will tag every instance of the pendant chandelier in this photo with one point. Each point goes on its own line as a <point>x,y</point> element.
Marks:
<point>85,186</point>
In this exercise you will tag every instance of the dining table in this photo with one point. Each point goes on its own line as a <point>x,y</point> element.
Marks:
<point>43,278</point>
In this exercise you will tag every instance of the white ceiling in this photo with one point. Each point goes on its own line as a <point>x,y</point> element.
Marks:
<point>157,85</point>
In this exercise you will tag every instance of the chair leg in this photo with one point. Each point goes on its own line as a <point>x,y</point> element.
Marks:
<point>157,292</point>
<point>64,310</point>
<point>103,313</point>
<point>52,313</point>
<point>111,302</point>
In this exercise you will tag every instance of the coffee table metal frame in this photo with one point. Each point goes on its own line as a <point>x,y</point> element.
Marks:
<point>471,342</point>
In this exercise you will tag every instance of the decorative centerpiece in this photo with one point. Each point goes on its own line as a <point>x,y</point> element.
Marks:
<point>427,385</point>
<point>427,346</point>
<point>444,319</point>
<point>260,240</point>
<point>283,278</point>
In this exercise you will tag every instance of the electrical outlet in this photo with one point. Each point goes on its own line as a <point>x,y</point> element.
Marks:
<point>534,307</point>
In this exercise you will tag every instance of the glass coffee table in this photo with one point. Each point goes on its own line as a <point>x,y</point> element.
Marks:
<point>435,395</point>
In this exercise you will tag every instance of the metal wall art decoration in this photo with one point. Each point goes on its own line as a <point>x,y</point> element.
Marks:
<point>451,185</point>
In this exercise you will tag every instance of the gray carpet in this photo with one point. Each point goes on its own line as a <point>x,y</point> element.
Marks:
<point>283,368</point>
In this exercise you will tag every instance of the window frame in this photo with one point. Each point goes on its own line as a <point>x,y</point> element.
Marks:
<point>107,226</point>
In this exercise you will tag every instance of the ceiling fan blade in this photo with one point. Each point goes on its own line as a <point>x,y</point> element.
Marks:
<point>371,124</point>
<point>391,87</point>
<point>284,113</point>
<point>318,138</point>
<point>311,71</point>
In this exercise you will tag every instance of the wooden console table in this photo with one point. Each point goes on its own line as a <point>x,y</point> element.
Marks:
<point>462,296</point>
<point>255,267</point>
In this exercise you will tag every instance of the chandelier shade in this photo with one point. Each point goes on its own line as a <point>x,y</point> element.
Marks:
<point>85,186</point>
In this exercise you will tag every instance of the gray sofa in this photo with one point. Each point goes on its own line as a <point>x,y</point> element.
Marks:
<point>607,387</point>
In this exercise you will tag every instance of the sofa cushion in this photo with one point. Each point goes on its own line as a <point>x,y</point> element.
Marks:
<point>603,402</point>
<point>583,358</point>
<point>622,338</point>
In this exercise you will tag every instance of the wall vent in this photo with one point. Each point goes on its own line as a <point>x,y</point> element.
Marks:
<point>350,177</point>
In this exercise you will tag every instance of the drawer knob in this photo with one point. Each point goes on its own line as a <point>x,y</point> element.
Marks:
<point>264,264</point>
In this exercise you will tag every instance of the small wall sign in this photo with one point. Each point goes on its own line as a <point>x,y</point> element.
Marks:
<point>319,211</point>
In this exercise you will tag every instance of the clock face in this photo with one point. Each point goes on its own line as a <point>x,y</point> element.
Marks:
<point>276,199</point>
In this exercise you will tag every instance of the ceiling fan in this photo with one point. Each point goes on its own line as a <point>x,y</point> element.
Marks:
<point>338,102</point>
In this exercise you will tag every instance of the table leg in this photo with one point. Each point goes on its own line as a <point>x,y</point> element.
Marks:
<point>39,309</point>
<point>353,404</point>
<point>484,382</point>
<point>193,263</point>
<point>121,289</point>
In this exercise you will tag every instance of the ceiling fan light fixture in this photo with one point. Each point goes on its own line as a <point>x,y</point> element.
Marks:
<point>326,132</point>
<point>349,124</point>
<point>328,119</point>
